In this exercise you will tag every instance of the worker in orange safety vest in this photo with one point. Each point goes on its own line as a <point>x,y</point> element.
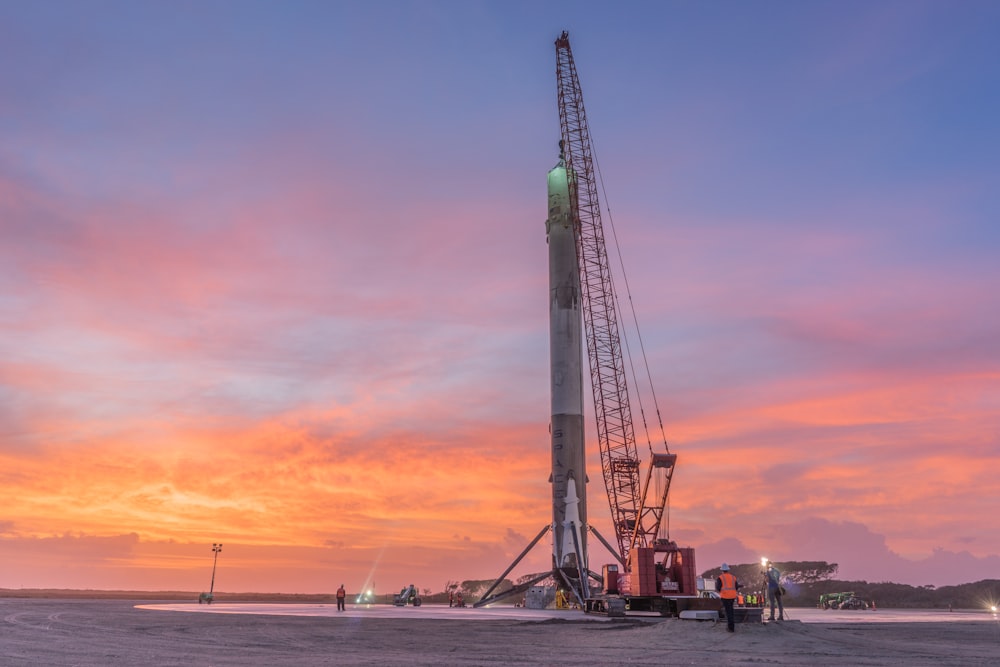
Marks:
<point>341,595</point>
<point>728,589</point>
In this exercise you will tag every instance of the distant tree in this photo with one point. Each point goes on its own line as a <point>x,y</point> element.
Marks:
<point>528,577</point>
<point>808,572</point>
<point>474,588</point>
<point>751,575</point>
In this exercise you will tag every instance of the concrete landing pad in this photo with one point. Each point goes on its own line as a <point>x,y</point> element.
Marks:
<point>427,611</point>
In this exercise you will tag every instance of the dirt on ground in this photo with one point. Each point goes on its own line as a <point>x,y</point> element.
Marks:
<point>91,633</point>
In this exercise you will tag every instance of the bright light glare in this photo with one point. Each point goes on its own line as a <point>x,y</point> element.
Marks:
<point>763,560</point>
<point>993,609</point>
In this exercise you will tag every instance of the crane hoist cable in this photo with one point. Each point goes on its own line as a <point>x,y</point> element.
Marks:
<point>635,322</point>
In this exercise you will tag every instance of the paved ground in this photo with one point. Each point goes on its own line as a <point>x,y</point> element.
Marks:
<point>380,611</point>
<point>91,633</point>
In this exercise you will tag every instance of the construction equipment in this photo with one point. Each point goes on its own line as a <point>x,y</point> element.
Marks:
<point>408,595</point>
<point>842,601</point>
<point>657,573</point>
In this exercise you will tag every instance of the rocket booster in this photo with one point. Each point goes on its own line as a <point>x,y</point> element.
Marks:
<point>569,476</point>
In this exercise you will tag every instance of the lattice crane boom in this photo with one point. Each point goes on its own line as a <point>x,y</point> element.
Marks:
<point>635,523</point>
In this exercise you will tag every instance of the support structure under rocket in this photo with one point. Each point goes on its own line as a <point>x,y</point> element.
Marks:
<point>569,476</point>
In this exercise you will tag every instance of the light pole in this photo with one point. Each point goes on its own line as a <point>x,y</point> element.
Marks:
<point>216,548</point>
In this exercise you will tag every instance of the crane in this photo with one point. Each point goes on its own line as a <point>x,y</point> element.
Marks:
<point>637,516</point>
<point>579,266</point>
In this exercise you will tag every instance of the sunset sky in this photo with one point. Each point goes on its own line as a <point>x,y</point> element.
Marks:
<point>273,274</point>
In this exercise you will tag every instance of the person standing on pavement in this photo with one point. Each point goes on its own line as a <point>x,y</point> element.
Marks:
<point>341,595</point>
<point>774,590</point>
<point>727,587</point>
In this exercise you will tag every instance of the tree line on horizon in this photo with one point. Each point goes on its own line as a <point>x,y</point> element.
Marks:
<point>805,581</point>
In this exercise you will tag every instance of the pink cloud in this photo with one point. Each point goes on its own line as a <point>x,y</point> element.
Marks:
<point>325,317</point>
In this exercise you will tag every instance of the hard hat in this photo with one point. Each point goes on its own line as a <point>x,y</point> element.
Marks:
<point>725,567</point>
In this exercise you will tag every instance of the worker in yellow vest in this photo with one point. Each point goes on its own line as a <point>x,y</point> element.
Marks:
<point>561,601</point>
<point>728,588</point>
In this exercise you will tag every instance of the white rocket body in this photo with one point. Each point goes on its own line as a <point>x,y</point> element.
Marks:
<point>569,476</point>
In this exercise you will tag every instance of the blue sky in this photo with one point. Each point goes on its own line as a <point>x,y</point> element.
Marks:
<point>301,245</point>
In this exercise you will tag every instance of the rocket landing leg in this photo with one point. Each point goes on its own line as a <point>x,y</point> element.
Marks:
<point>568,577</point>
